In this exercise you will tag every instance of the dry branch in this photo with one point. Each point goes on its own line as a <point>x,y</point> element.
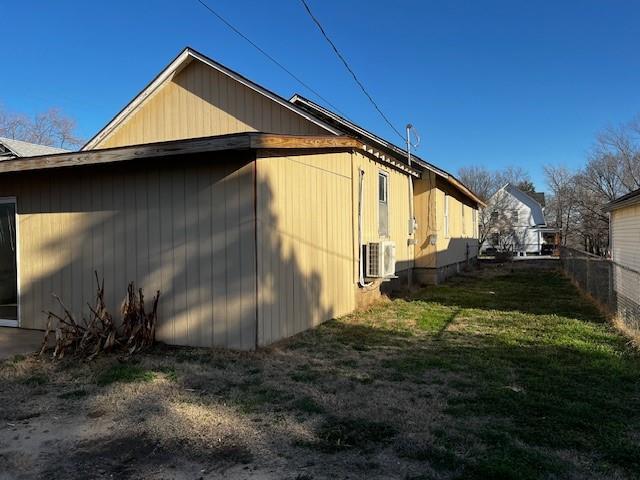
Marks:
<point>99,333</point>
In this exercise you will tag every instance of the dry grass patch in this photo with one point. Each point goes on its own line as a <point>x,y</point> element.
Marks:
<point>496,375</point>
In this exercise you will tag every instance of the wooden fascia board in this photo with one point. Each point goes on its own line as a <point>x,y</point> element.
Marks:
<point>275,142</point>
<point>120,154</point>
<point>242,141</point>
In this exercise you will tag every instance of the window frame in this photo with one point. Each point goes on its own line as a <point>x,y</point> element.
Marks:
<point>383,175</point>
<point>383,204</point>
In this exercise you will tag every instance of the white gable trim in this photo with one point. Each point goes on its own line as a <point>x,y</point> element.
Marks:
<point>180,62</point>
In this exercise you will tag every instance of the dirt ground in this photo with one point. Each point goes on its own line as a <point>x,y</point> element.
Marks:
<point>372,395</point>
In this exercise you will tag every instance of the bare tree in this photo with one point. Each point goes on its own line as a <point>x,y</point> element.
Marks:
<point>577,200</point>
<point>13,125</point>
<point>495,222</point>
<point>561,205</point>
<point>497,225</point>
<point>621,146</point>
<point>484,182</point>
<point>50,128</point>
<point>513,175</point>
<point>480,180</point>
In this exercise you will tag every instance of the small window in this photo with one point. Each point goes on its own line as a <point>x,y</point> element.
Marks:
<point>494,216</point>
<point>383,187</point>
<point>514,216</point>
<point>446,216</point>
<point>383,205</point>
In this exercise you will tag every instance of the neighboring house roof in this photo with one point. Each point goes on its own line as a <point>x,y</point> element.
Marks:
<point>232,142</point>
<point>180,62</point>
<point>538,197</point>
<point>631,198</point>
<point>350,128</point>
<point>17,148</point>
<point>537,212</point>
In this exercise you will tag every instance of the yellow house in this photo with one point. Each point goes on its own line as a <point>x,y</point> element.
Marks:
<point>254,217</point>
<point>445,238</point>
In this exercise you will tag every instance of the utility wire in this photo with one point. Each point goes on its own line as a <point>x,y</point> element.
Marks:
<point>266,54</point>
<point>346,64</point>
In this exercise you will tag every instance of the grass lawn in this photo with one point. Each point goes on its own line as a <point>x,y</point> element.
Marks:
<point>496,374</point>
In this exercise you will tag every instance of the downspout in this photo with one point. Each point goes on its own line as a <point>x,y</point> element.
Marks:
<point>361,281</point>
<point>412,229</point>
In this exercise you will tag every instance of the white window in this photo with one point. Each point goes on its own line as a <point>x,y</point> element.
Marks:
<point>383,187</point>
<point>446,216</point>
<point>383,204</point>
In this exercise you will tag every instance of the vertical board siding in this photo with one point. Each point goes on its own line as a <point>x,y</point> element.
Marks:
<point>200,101</point>
<point>453,249</point>
<point>186,229</point>
<point>398,196</point>
<point>426,217</point>
<point>304,230</point>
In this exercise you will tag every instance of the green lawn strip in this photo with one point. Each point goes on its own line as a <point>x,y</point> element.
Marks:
<point>529,352</point>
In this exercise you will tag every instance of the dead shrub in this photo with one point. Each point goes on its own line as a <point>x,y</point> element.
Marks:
<point>88,338</point>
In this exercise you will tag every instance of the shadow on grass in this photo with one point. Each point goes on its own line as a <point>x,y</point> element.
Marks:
<point>454,381</point>
<point>535,292</point>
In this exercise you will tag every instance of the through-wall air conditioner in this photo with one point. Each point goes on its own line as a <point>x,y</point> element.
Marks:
<point>381,259</point>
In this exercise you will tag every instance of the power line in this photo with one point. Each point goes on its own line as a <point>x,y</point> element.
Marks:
<point>266,54</point>
<point>346,64</point>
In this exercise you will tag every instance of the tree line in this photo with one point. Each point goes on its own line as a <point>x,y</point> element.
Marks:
<point>51,128</point>
<point>575,198</point>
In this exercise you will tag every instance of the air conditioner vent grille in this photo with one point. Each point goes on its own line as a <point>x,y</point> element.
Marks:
<point>381,259</point>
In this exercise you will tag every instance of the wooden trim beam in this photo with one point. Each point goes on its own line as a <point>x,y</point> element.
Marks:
<point>120,154</point>
<point>273,141</point>
<point>240,141</point>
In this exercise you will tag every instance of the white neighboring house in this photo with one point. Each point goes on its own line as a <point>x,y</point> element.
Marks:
<point>517,220</point>
<point>10,148</point>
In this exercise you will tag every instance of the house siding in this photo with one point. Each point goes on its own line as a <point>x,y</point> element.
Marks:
<point>307,223</point>
<point>200,101</point>
<point>455,245</point>
<point>625,236</point>
<point>184,227</point>
<point>398,206</point>
<point>305,232</point>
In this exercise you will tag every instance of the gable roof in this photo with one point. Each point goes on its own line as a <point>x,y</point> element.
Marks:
<point>18,148</point>
<point>178,64</point>
<point>538,197</point>
<point>536,209</point>
<point>631,198</point>
<point>350,128</point>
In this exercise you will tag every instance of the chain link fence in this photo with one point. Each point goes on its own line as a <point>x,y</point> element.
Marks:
<point>615,287</point>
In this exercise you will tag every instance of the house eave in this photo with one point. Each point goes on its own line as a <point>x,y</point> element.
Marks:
<point>231,142</point>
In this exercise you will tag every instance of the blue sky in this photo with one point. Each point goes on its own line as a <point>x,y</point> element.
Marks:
<point>485,82</point>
